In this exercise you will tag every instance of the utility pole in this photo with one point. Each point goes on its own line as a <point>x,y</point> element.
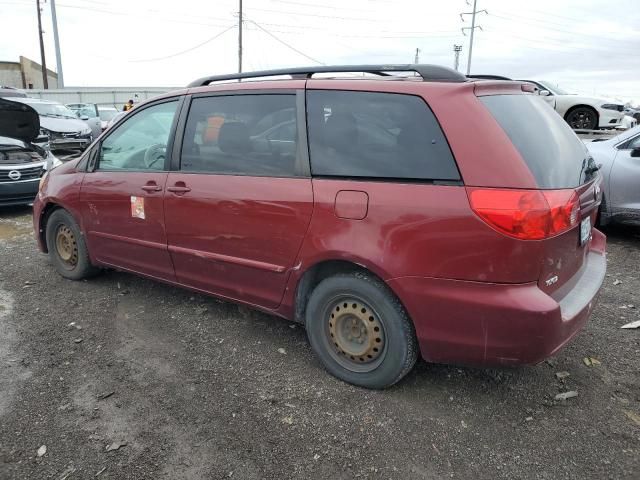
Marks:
<point>456,51</point>
<point>45,80</point>
<point>472,28</point>
<point>416,60</point>
<point>240,38</point>
<point>56,41</point>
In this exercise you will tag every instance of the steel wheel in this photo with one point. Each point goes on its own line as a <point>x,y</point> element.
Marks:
<point>582,119</point>
<point>67,247</point>
<point>356,334</point>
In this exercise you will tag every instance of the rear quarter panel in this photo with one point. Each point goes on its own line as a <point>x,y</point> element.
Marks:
<point>414,230</point>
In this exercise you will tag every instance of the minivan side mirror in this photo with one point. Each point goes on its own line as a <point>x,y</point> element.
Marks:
<point>84,117</point>
<point>544,93</point>
<point>635,152</point>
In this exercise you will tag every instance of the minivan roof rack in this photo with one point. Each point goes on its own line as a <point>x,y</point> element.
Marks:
<point>432,73</point>
<point>488,77</point>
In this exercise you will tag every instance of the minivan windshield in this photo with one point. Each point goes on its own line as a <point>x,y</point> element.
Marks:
<point>552,151</point>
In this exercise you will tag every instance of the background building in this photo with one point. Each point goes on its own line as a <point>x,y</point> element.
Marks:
<point>25,74</point>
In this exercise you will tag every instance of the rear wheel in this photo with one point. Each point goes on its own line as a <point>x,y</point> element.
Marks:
<point>360,331</point>
<point>67,249</point>
<point>582,118</point>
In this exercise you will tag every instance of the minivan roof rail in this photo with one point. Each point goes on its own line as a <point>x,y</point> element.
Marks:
<point>429,73</point>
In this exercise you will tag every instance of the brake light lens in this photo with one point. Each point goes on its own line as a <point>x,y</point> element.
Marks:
<point>526,214</point>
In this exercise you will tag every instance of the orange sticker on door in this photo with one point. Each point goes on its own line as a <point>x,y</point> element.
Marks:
<point>137,207</point>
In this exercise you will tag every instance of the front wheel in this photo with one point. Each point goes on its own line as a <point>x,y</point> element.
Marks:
<point>582,118</point>
<point>67,248</point>
<point>360,331</point>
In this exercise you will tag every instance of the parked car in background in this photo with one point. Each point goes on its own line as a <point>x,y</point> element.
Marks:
<point>359,207</point>
<point>581,112</point>
<point>88,112</point>
<point>115,119</point>
<point>22,163</point>
<point>106,114</point>
<point>627,123</point>
<point>633,112</point>
<point>59,126</point>
<point>620,159</point>
<point>11,92</point>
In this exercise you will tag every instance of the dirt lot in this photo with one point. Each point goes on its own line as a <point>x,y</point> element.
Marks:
<point>197,388</point>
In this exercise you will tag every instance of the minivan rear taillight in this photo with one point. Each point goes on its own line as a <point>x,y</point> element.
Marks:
<point>526,214</point>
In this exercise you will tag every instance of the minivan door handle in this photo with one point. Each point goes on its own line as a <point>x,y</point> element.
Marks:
<point>151,187</point>
<point>179,188</point>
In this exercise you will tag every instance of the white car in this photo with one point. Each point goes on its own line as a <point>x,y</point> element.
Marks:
<point>581,112</point>
<point>106,114</point>
<point>628,122</point>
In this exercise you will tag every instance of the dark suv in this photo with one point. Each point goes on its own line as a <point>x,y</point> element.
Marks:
<point>361,207</point>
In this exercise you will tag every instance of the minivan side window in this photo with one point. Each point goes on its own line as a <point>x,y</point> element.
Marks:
<point>253,134</point>
<point>139,142</point>
<point>376,135</point>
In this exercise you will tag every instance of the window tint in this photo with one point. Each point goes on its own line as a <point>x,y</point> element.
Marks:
<point>381,135</point>
<point>242,135</point>
<point>140,141</point>
<point>554,154</point>
<point>633,143</point>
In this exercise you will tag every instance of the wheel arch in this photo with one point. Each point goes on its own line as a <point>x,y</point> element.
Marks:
<point>583,105</point>
<point>46,212</point>
<point>317,272</point>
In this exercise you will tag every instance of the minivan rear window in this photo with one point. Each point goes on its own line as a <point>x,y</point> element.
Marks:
<point>376,135</point>
<point>552,151</point>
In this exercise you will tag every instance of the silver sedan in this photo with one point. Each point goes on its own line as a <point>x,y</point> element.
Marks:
<point>620,159</point>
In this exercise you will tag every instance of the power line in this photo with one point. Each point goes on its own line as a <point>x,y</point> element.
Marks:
<point>184,51</point>
<point>408,35</point>
<point>316,5</point>
<point>128,14</point>
<point>285,43</point>
<point>544,26</point>
<point>317,15</point>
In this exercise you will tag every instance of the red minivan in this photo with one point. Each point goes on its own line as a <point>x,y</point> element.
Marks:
<point>393,215</point>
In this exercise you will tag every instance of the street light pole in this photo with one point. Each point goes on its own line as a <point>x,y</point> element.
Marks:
<point>473,28</point>
<point>56,41</point>
<point>240,38</point>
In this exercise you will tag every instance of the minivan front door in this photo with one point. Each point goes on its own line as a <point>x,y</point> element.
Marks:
<point>239,207</point>
<point>122,198</point>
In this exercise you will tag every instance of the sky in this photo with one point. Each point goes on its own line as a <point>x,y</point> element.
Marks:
<point>585,46</point>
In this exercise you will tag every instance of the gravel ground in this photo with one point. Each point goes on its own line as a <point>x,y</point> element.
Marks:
<point>192,387</point>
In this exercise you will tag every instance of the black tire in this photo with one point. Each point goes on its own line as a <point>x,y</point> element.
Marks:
<point>602,220</point>
<point>345,338</point>
<point>67,248</point>
<point>582,118</point>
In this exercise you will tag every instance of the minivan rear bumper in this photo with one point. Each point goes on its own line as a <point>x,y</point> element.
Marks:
<point>499,324</point>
